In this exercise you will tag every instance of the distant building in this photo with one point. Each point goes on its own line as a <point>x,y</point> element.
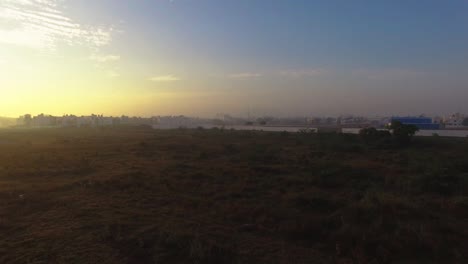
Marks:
<point>25,120</point>
<point>423,123</point>
<point>353,121</point>
<point>44,121</point>
<point>454,121</point>
<point>169,122</point>
<point>379,122</point>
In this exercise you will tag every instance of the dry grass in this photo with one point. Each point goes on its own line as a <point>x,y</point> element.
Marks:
<point>135,195</point>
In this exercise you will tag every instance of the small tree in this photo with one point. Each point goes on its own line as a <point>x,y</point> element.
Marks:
<point>401,132</point>
<point>374,136</point>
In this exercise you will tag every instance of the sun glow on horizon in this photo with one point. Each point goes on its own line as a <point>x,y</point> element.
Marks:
<point>172,57</point>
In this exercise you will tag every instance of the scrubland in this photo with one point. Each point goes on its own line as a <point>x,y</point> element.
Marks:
<point>137,195</point>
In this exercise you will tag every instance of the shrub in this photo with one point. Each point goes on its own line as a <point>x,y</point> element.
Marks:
<point>373,133</point>
<point>439,182</point>
<point>403,133</point>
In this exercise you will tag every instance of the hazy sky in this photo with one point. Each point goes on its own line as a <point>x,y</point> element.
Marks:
<point>202,57</point>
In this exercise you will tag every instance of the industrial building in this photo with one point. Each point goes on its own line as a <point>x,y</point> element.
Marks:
<point>423,123</point>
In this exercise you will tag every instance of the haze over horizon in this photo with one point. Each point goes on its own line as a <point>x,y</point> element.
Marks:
<point>204,57</point>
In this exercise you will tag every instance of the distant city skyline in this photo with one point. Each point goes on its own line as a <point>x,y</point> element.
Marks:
<point>199,58</point>
<point>292,124</point>
<point>246,115</point>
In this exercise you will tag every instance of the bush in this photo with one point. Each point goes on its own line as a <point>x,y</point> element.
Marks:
<point>371,134</point>
<point>439,182</point>
<point>403,133</point>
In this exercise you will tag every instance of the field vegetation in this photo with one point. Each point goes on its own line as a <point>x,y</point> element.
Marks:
<point>137,195</point>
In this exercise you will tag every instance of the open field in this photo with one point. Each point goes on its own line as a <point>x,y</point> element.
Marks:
<point>137,195</point>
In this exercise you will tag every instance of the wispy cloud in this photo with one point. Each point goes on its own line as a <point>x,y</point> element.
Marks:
<point>104,58</point>
<point>106,63</point>
<point>41,24</point>
<point>393,74</point>
<point>298,73</point>
<point>244,75</point>
<point>112,74</point>
<point>164,78</point>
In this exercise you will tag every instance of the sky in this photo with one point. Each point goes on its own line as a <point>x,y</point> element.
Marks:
<point>263,57</point>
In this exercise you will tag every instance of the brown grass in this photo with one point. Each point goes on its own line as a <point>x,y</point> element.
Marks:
<point>135,195</point>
